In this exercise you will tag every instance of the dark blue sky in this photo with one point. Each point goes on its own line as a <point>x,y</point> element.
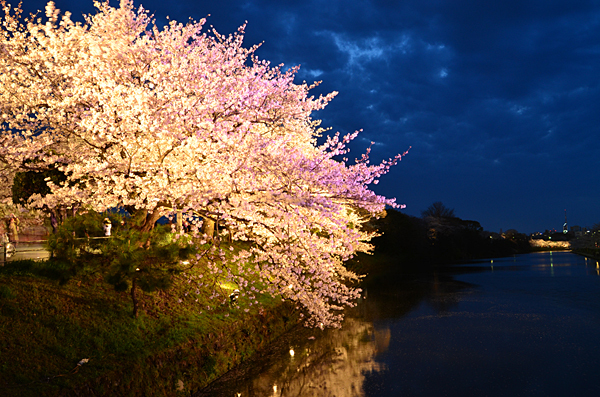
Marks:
<point>499,100</point>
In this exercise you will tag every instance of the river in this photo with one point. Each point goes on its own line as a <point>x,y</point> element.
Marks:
<point>527,325</point>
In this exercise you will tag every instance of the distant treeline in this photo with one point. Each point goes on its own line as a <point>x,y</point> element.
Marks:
<point>409,241</point>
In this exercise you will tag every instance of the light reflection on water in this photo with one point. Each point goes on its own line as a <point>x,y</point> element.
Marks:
<point>524,325</point>
<point>334,362</point>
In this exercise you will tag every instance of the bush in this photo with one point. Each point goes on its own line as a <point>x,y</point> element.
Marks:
<point>128,259</point>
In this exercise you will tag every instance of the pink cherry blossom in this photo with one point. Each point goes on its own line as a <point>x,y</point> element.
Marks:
<point>180,119</point>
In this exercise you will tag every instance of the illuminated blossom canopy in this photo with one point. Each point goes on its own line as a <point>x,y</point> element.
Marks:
<point>177,119</point>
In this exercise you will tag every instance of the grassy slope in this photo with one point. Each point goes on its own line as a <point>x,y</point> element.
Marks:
<point>171,348</point>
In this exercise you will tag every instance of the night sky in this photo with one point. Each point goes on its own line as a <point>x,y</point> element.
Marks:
<point>499,100</point>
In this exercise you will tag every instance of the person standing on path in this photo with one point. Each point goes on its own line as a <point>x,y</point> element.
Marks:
<point>13,229</point>
<point>106,226</point>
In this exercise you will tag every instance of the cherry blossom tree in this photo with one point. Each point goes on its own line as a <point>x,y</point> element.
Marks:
<point>179,120</point>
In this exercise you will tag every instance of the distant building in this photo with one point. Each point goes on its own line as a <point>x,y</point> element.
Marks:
<point>578,231</point>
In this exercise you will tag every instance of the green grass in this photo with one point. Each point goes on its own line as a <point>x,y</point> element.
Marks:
<point>46,328</point>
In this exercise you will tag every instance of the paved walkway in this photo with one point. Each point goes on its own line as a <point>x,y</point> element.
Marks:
<point>28,250</point>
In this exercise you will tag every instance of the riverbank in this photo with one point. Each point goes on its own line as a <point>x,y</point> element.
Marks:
<point>80,338</point>
<point>592,253</point>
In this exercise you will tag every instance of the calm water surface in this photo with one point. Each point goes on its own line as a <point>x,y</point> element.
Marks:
<point>528,325</point>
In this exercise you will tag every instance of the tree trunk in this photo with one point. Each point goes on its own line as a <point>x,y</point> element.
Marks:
<point>151,218</point>
<point>134,299</point>
<point>179,221</point>
<point>208,227</point>
<point>53,222</point>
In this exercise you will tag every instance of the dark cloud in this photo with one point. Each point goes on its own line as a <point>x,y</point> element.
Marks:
<point>499,100</point>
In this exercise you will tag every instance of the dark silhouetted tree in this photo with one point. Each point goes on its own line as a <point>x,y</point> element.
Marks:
<point>438,210</point>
